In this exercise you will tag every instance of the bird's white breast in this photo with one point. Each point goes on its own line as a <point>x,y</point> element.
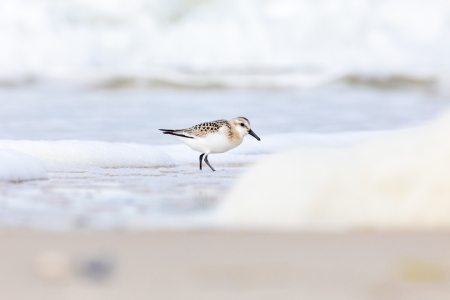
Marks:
<point>212,143</point>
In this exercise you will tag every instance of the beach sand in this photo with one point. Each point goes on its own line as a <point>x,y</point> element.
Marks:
<point>198,265</point>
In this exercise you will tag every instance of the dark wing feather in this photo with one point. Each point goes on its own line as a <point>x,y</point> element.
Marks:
<point>174,132</point>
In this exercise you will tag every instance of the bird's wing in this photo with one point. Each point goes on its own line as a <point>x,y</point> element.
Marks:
<point>200,130</point>
<point>203,129</point>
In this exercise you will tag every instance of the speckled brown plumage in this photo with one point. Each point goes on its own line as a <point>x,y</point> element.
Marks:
<point>203,129</point>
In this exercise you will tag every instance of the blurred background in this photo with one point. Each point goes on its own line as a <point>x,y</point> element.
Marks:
<point>224,44</point>
<point>84,86</point>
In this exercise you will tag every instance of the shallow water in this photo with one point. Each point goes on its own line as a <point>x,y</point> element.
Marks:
<point>135,115</point>
<point>86,196</point>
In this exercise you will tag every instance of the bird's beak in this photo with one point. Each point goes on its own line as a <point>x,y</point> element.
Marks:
<point>253,135</point>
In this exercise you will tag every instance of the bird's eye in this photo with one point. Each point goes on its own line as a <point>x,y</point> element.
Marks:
<point>242,124</point>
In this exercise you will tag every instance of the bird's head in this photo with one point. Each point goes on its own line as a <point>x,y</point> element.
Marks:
<point>242,125</point>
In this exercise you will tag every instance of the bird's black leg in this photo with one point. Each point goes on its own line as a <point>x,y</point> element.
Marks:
<point>201,156</point>
<point>207,162</point>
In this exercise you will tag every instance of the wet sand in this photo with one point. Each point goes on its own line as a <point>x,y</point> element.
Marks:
<point>111,198</point>
<point>223,265</point>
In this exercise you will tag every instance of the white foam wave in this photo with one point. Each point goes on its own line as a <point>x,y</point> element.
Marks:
<point>400,180</point>
<point>56,154</point>
<point>15,166</point>
<point>221,43</point>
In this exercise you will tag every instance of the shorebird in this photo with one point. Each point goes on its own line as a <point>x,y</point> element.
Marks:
<point>214,137</point>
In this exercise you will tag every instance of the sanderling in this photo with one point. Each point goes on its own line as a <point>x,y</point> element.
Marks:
<point>214,137</point>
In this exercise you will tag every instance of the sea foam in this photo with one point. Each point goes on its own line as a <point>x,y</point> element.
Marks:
<point>15,166</point>
<point>56,154</point>
<point>400,180</point>
<point>261,43</point>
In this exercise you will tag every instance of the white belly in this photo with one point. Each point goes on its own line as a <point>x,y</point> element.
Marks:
<point>212,143</point>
